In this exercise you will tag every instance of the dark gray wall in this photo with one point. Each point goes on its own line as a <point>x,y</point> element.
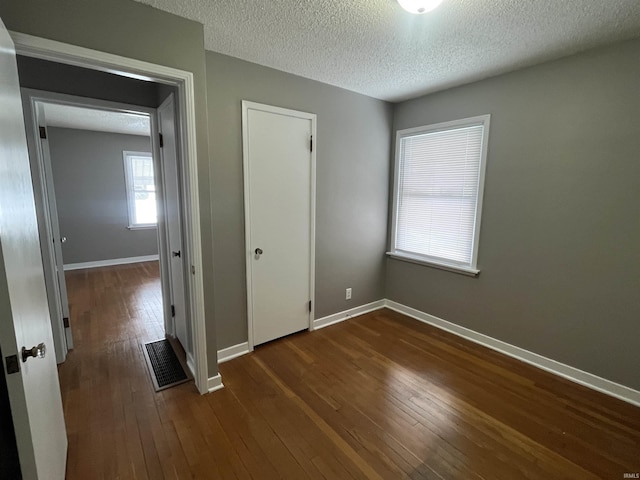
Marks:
<point>89,180</point>
<point>352,182</point>
<point>134,30</point>
<point>163,91</point>
<point>57,77</point>
<point>559,245</point>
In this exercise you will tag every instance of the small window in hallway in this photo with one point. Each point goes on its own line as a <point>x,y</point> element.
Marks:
<point>141,189</point>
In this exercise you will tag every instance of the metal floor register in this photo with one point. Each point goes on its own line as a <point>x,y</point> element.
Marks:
<point>165,367</point>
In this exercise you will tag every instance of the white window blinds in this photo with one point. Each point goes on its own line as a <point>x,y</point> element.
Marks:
<point>438,188</point>
<point>141,189</point>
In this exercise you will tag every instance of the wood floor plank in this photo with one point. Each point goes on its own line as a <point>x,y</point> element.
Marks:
<point>380,396</point>
<point>237,427</point>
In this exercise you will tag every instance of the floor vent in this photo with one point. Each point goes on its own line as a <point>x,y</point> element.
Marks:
<point>165,367</point>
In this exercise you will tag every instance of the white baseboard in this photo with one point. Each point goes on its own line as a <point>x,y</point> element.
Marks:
<point>191,364</point>
<point>232,352</point>
<point>342,316</point>
<point>229,353</point>
<point>570,373</point>
<point>108,263</point>
<point>576,375</point>
<point>215,383</point>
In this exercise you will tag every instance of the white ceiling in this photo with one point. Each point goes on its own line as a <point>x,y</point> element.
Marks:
<point>67,116</point>
<point>376,48</point>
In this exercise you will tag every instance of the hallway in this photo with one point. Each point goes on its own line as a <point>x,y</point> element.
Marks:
<point>111,410</point>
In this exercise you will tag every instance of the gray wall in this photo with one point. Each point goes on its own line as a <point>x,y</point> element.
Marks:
<point>352,187</point>
<point>163,92</point>
<point>89,181</point>
<point>57,77</point>
<point>559,246</point>
<point>134,30</point>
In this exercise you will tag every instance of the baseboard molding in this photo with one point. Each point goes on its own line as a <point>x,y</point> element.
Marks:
<point>214,383</point>
<point>111,262</point>
<point>191,364</point>
<point>232,352</point>
<point>586,379</point>
<point>573,374</point>
<point>352,312</point>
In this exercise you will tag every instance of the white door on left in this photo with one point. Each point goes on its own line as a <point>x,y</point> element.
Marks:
<point>34,391</point>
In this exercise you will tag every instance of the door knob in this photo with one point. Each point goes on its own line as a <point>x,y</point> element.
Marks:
<point>176,254</point>
<point>38,351</point>
<point>259,251</point>
<point>63,240</point>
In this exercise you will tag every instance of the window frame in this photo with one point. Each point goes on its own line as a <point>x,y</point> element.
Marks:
<point>130,192</point>
<point>436,262</point>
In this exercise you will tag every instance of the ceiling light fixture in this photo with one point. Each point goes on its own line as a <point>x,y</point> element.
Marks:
<point>419,6</point>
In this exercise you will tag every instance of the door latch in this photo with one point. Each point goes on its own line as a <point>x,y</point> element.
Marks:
<point>12,364</point>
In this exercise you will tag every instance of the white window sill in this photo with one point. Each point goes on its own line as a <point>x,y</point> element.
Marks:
<point>471,272</point>
<point>142,227</point>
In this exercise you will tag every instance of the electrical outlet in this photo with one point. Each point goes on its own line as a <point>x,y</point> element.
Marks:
<point>348,295</point>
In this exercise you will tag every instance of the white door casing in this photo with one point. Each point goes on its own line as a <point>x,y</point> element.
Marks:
<point>279,171</point>
<point>170,170</point>
<point>34,392</point>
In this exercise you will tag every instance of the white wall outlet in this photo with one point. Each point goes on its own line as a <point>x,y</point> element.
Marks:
<point>348,295</point>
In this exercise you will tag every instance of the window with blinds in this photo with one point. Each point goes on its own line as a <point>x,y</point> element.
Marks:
<point>438,193</point>
<point>141,189</point>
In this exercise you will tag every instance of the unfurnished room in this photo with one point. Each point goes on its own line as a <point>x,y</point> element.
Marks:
<point>295,239</point>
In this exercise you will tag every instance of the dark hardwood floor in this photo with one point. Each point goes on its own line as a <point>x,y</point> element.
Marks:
<point>378,396</point>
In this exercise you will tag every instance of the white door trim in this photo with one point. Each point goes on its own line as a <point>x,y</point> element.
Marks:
<point>246,106</point>
<point>52,50</point>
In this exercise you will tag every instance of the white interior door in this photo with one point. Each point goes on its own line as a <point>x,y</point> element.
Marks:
<point>279,179</point>
<point>169,153</point>
<point>34,392</point>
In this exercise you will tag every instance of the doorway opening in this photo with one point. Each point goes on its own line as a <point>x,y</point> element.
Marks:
<point>100,184</point>
<point>181,112</point>
<point>108,194</point>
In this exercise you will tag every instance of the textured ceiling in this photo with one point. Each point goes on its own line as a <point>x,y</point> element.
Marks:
<point>66,116</point>
<point>376,48</point>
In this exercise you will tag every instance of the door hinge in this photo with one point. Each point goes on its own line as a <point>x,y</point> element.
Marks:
<point>309,306</point>
<point>161,140</point>
<point>43,132</point>
<point>173,310</point>
<point>13,366</point>
<point>65,322</point>
<point>311,143</point>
